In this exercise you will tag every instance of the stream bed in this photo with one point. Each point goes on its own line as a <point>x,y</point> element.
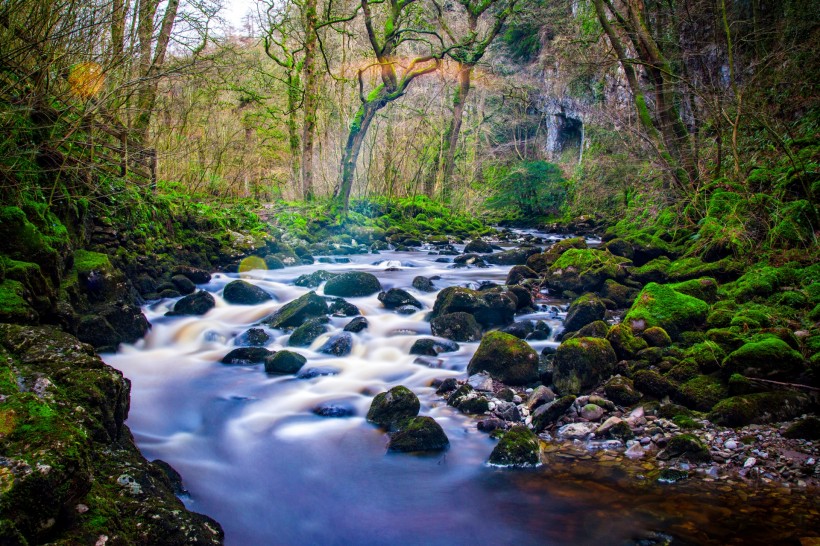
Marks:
<point>254,455</point>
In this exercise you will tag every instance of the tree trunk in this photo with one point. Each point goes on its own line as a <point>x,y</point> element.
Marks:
<point>355,138</point>
<point>294,94</point>
<point>451,143</point>
<point>117,30</point>
<point>311,101</point>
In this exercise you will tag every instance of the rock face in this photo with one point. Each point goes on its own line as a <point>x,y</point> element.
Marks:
<point>296,312</point>
<point>393,406</point>
<point>419,434</point>
<point>518,447</point>
<point>352,285</point>
<point>244,293</point>
<point>86,457</point>
<point>582,363</point>
<point>198,303</point>
<point>505,358</point>
<point>660,305</point>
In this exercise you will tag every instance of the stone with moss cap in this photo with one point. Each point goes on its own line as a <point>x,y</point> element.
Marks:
<point>625,344</point>
<point>687,447</point>
<point>584,310</point>
<point>296,312</point>
<point>393,406</point>
<point>585,270</point>
<point>704,288</point>
<point>541,262</point>
<point>622,391</point>
<point>656,337</point>
<point>660,305</point>
<point>582,363</point>
<point>518,446</point>
<point>768,358</point>
<point>762,407</point>
<point>418,434</point>
<point>241,292</point>
<point>506,358</point>
<point>494,307</point>
<point>353,284</point>
<point>701,393</point>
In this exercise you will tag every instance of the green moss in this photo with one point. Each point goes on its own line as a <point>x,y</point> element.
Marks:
<point>582,363</point>
<point>653,384</point>
<point>688,447</point>
<point>624,342</point>
<point>86,261</point>
<point>656,337</point>
<point>760,281</point>
<point>694,268</point>
<point>701,393</point>
<point>708,355</point>
<point>761,407</point>
<point>705,288</point>
<point>14,306</point>
<point>660,305</point>
<point>506,358</point>
<point>686,422</point>
<point>656,270</point>
<point>769,357</point>
<point>585,270</point>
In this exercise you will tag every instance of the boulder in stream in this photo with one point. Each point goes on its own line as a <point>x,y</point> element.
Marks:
<point>198,303</point>
<point>246,355</point>
<point>284,362</point>
<point>241,292</point>
<point>582,363</point>
<point>519,446</point>
<point>393,406</point>
<point>308,332</point>
<point>419,434</point>
<point>432,347</point>
<point>506,358</point>
<point>456,326</point>
<point>296,312</point>
<point>353,284</point>
<point>338,345</point>
<point>397,298</point>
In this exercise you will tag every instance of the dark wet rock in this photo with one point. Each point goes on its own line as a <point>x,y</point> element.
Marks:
<point>296,312</point>
<point>506,358</point>
<point>353,284</point>
<point>491,424</point>
<point>478,246</point>
<point>651,383</point>
<point>255,337</point>
<point>622,391</point>
<point>804,429</point>
<point>423,284</point>
<point>523,297</point>
<point>307,333</point>
<point>520,273</point>
<point>284,362</point>
<point>598,328</point>
<point>338,345</point>
<point>762,407</point>
<point>582,363</point>
<point>625,344</point>
<point>240,292</point>
<point>432,347</point>
<point>521,330</point>
<point>620,247</point>
<point>342,308</point>
<point>356,325</point>
<point>623,296</point>
<point>246,355</point>
<point>540,396</point>
<point>465,260</point>
<point>519,446</point>
<point>456,326</point>
<point>173,477</point>
<point>334,409</point>
<point>549,413</point>
<point>492,307</point>
<point>660,305</point>
<point>419,434</point>
<point>198,303</point>
<point>588,308</point>
<point>274,262</point>
<point>672,475</point>
<point>183,284</point>
<point>313,280</point>
<point>462,393</point>
<point>317,371</point>
<point>448,385</point>
<point>397,297</point>
<point>507,411</point>
<point>198,276</point>
<point>515,257</point>
<point>393,406</point>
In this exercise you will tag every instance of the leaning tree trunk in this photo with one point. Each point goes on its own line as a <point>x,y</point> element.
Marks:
<point>451,143</point>
<point>355,138</point>
<point>311,101</point>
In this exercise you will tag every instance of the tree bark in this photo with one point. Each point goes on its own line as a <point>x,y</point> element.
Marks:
<point>451,142</point>
<point>358,130</point>
<point>311,100</point>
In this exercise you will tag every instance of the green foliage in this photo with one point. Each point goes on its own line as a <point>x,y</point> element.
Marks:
<point>528,189</point>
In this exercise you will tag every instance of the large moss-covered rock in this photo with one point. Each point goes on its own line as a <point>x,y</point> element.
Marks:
<point>687,447</point>
<point>506,358</point>
<point>660,305</point>
<point>241,292</point>
<point>622,391</point>
<point>585,270</point>
<point>307,333</point>
<point>625,344</point>
<point>456,326</point>
<point>519,446</point>
<point>14,303</point>
<point>478,246</point>
<point>652,383</point>
<point>622,295</point>
<point>353,284</point>
<point>701,392</point>
<point>284,362</point>
<point>313,280</point>
<point>520,273</point>
<point>515,256</point>
<point>770,358</point>
<point>393,406</point>
<point>296,312</point>
<point>582,363</point>
<point>419,434</point>
<point>489,307</point>
<point>542,262</point>
<point>584,310</point>
<point>763,407</point>
<point>705,288</point>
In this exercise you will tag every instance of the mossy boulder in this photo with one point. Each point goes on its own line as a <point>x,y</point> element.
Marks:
<point>656,337</point>
<point>686,269</point>
<point>393,406</point>
<point>494,307</point>
<point>296,312</point>
<point>768,358</point>
<point>622,391</point>
<point>541,262</point>
<point>478,246</point>
<point>804,429</point>
<point>688,447</point>
<point>518,446</point>
<point>762,407</point>
<point>506,358</point>
<point>708,355</point>
<point>515,256</point>
<point>456,326</point>
<point>705,288</point>
<point>588,308</point>
<point>246,355</point>
<point>313,280</point>
<point>598,328</point>
<point>622,295</point>
<point>398,297</point>
<point>307,333</point>
<point>620,247</point>
<point>353,284</point>
<point>625,344</point>
<point>585,270</point>
<point>284,362</point>
<point>241,292</point>
<point>423,284</point>
<point>653,384</point>
<point>419,434</point>
<point>654,271</point>
<point>197,303</point>
<point>701,393</point>
<point>520,273</point>
<point>581,364</point>
<point>14,304</point>
<point>660,305</point>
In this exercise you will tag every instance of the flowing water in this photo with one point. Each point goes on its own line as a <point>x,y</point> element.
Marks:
<point>255,457</point>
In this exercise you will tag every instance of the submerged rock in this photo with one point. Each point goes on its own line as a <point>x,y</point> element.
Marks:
<point>246,355</point>
<point>397,404</point>
<point>334,409</point>
<point>255,337</point>
<point>305,334</point>
<point>506,358</point>
<point>244,293</point>
<point>519,446</point>
<point>296,312</point>
<point>419,434</point>
<point>353,284</point>
<point>338,345</point>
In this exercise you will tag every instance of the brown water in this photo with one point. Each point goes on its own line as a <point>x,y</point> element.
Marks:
<point>254,456</point>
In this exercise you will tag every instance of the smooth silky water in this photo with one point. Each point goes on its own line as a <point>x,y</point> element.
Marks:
<point>254,456</point>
